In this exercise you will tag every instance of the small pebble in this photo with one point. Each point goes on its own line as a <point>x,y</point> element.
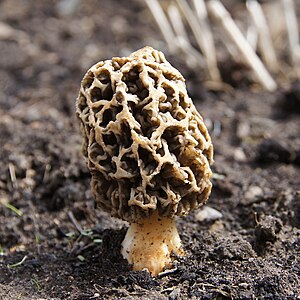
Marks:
<point>253,192</point>
<point>243,130</point>
<point>174,294</point>
<point>208,214</point>
<point>67,7</point>
<point>239,155</point>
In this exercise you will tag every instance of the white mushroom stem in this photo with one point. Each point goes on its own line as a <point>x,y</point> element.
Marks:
<point>149,244</point>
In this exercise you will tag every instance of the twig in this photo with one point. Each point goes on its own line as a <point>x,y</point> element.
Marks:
<point>292,29</point>
<point>46,173</point>
<point>219,12</point>
<point>265,41</point>
<point>82,249</point>
<point>75,223</point>
<point>163,23</point>
<point>12,173</point>
<point>76,243</point>
<point>167,272</point>
<point>201,39</point>
<point>33,217</point>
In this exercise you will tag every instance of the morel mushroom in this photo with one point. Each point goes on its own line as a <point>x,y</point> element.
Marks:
<point>147,149</point>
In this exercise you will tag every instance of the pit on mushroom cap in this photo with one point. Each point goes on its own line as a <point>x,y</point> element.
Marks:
<point>146,146</point>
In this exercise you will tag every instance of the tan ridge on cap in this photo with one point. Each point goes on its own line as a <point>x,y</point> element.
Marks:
<point>145,143</point>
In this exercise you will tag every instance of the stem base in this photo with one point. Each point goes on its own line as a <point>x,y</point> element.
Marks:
<point>150,243</point>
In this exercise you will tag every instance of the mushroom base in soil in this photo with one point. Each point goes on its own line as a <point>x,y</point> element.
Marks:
<point>148,151</point>
<point>150,243</point>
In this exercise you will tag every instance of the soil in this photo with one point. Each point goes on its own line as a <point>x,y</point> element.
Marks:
<point>56,245</point>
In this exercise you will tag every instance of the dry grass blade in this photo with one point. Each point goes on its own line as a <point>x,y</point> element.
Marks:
<point>292,29</point>
<point>201,38</point>
<point>177,23</point>
<point>265,41</point>
<point>182,38</point>
<point>222,16</point>
<point>252,36</point>
<point>163,23</point>
<point>201,12</point>
<point>74,221</point>
<point>18,263</point>
<point>14,209</point>
<point>36,284</point>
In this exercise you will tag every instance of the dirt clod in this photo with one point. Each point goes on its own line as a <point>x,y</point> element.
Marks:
<point>267,229</point>
<point>289,102</point>
<point>269,151</point>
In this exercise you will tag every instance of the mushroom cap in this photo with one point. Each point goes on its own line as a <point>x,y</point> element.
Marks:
<point>145,144</point>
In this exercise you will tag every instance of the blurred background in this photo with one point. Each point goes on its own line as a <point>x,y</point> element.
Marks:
<point>54,42</point>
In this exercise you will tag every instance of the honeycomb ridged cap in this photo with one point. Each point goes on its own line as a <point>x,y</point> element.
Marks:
<point>145,144</point>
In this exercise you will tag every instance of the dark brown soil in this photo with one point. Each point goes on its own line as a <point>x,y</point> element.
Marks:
<point>252,252</point>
